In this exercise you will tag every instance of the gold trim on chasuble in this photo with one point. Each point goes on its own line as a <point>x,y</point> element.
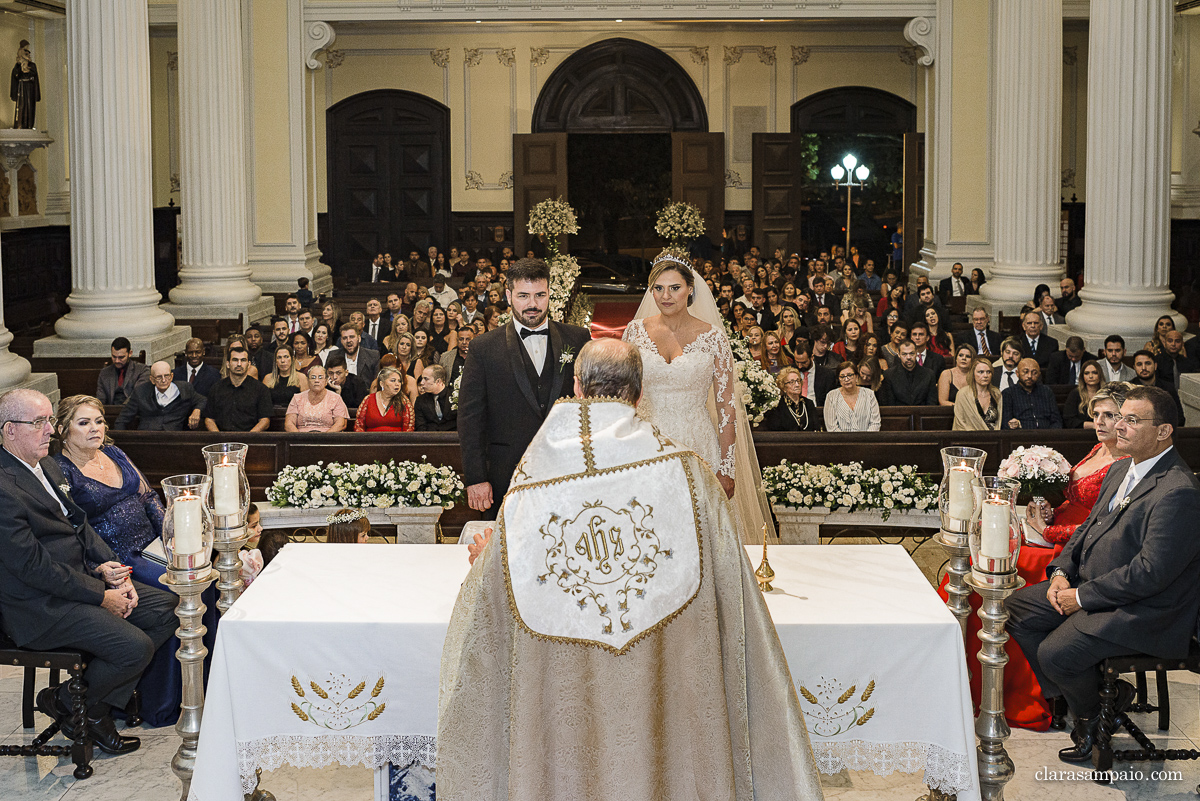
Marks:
<point>603,557</point>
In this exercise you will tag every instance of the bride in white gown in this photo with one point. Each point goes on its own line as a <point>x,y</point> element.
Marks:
<point>689,385</point>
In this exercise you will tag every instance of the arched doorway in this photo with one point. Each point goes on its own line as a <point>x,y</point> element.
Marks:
<point>388,160</point>
<point>854,109</point>
<point>619,128</point>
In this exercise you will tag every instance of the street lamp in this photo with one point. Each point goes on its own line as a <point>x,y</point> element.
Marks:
<point>847,169</point>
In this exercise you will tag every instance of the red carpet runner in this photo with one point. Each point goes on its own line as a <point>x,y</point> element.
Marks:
<point>611,316</point>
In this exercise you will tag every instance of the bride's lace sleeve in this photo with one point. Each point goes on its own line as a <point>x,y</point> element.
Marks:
<point>724,386</point>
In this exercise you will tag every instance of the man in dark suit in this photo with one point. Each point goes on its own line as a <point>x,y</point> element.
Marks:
<point>432,410</point>
<point>1049,312</point>
<point>955,286</point>
<point>914,308</point>
<point>1037,343</point>
<point>1005,374</point>
<point>163,404</point>
<point>360,361</point>
<point>908,383</point>
<point>117,380</point>
<point>1146,366</point>
<point>61,586</point>
<point>194,371</point>
<point>1068,301</point>
<point>350,387</point>
<point>377,323</point>
<point>1030,403</point>
<point>1065,365</point>
<point>453,361</point>
<point>815,382</point>
<point>1128,580</point>
<point>918,334</point>
<point>512,377</point>
<point>985,341</point>
<point>1174,360</point>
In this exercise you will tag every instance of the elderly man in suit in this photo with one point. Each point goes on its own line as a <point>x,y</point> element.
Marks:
<point>985,340</point>
<point>1128,580</point>
<point>61,586</point>
<point>202,377</point>
<point>163,404</point>
<point>1037,343</point>
<point>116,381</point>
<point>432,409</point>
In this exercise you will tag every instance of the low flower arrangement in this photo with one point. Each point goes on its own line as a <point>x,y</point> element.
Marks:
<point>760,393</point>
<point>679,223</point>
<point>888,489</point>
<point>362,486</point>
<point>1040,470</point>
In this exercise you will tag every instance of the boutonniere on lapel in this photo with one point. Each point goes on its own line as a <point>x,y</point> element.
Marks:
<point>1124,502</point>
<point>567,356</point>
<point>65,489</point>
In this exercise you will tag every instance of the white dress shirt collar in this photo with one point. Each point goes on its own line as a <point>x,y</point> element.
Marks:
<point>165,398</point>
<point>45,482</point>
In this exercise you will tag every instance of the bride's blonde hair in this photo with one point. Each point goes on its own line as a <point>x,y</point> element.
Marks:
<point>668,261</point>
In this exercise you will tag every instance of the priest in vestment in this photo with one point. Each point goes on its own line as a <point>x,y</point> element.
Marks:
<point>611,641</point>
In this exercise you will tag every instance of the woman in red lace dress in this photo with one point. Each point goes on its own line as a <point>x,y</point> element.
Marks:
<point>1024,704</point>
<point>388,409</point>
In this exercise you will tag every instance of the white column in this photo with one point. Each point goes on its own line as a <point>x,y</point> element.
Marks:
<point>1027,127</point>
<point>1185,170</point>
<point>214,277</point>
<point>1127,242</point>
<point>112,265</point>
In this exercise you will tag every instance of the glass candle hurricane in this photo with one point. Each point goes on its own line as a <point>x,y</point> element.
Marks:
<point>996,533</point>
<point>961,470</point>
<point>230,495</point>
<point>187,531</point>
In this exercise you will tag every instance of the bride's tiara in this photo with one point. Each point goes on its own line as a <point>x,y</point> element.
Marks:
<point>670,258</point>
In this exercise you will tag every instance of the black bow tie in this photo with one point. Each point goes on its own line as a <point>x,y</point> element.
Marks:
<point>541,332</point>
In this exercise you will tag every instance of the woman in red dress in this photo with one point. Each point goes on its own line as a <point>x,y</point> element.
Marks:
<point>1024,704</point>
<point>388,409</point>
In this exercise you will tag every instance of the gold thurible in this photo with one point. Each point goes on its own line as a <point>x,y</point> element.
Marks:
<point>764,574</point>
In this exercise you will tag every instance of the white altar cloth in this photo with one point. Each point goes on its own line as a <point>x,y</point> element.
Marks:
<point>847,615</point>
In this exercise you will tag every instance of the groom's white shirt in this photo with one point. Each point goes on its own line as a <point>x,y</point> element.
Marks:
<point>535,346</point>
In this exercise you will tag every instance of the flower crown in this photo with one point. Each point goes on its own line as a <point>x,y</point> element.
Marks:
<point>346,517</point>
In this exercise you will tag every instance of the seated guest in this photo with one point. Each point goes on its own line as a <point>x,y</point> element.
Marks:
<point>194,371</point>
<point>331,315</point>
<point>61,585</point>
<point>1065,364</point>
<point>400,326</point>
<point>359,321</point>
<point>348,525</point>
<point>774,356</point>
<point>116,380</point>
<point>871,280</point>
<point>261,354</point>
<point>978,279</point>
<point>285,380</point>
<point>322,342</point>
<point>1049,312</point>
<point>377,324</point>
<point>908,383</point>
<point>388,409</point>
<point>360,361</point>
<point>302,352</point>
<point>955,286</point>
<point>1174,361</point>
<point>307,321</point>
<point>915,306</point>
<point>716,647</point>
<point>1161,327</point>
<point>822,347</point>
<point>349,387</point>
<point>432,409</point>
<point>1127,581</point>
<point>897,336</point>
<point>1079,399</point>
<point>941,341</point>
<point>238,402</point>
<point>870,374</point>
<point>849,347</point>
<point>1037,344</point>
<point>1113,366</point>
<point>794,412</point>
<point>985,340</point>
<point>453,361</point>
<point>978,406</point>
<point>442,293</point>
<point>1030,404</point>
<point>251,555</point>
<point>851,407</point>
<point>318,409</point>
<point>957,377</point>
<point>163,404</point>
<point>918,333</point>
<point>303,293</point>
<point>816,381</point>
<point>1069,300</point>
<point>1006,366</point>
<point>128,516</point>
<point>1146,367</point>
<point>1040,291</point>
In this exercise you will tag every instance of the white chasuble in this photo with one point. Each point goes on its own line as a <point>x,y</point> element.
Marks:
<point>600,530</point>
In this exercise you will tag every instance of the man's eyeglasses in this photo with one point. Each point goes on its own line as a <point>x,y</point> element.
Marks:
<point>1133,421</point>
<point>37,422</point>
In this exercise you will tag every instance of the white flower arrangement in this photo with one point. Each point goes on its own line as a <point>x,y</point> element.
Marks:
<point>1038,468</point>
<point>850,486</point>
<point>454,392</point>
<point>760,393</point>
<point>551,218</point>
<point>564,271</point>
<point>362,486</point>
<point>679,223</point>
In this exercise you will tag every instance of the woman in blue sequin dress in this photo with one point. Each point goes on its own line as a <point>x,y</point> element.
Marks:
<point>127,515</point>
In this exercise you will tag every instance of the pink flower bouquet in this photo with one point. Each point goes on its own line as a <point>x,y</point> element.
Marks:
<point>1039,469</point>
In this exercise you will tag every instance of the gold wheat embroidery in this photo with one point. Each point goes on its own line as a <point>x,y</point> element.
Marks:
<point>339,703</point>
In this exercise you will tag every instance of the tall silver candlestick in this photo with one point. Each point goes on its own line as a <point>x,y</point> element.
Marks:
<point>957,507</point>
<point>190,611</point>
<point>229,500</point>
<point>228,544</point>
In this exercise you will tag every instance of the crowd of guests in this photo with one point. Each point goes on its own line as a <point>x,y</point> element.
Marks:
<point>843,341</point>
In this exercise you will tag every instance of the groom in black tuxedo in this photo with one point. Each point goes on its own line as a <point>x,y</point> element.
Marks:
<point>512,377</point>
<point>1128,580</point>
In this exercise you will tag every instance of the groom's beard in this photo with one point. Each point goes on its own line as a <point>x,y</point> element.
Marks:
<point>533,322</point>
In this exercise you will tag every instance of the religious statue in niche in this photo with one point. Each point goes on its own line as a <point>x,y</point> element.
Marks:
<point>26,91</point>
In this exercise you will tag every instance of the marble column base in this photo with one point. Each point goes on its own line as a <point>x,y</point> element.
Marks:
<point>159,346</point>
<point>276,272</point>
<point>1189,395</point>
<point>45,383</point>
<point>936,262</point>
<point>253,311</point>
<point>995,308</point>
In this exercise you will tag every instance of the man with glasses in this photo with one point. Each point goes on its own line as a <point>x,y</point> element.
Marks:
<point>1128,580</point>
<point>61,586</point>
<point>163,404</point>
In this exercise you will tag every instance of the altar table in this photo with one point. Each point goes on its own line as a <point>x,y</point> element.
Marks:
<point>333,654</point>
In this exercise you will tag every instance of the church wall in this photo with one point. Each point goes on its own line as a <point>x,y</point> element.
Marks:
<point>164,116</point>
<point>14,28</point>
<point>1074,119</point>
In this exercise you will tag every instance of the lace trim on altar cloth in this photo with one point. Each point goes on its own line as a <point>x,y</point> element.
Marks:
<point>944,770</point>
<point>270,753</point>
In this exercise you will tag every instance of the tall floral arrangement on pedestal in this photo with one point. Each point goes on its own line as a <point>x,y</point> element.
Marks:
<point>679,223</point>
<point>551,219</point>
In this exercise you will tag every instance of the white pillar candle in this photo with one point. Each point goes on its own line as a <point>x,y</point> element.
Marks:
<point>226,489</point>
<point>187,516</point>
<point>994,536</point>
<point>961,499</point>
